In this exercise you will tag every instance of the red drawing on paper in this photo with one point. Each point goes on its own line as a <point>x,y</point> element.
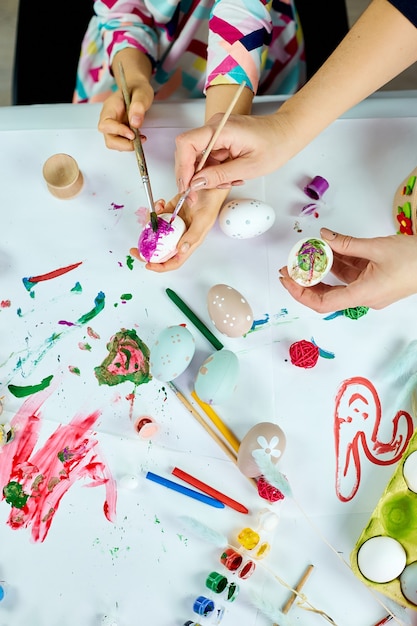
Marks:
<point>34,482</point>
<point>357,419</point>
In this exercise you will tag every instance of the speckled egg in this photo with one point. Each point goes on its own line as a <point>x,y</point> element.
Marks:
<point>245,218</point>
<point>381,559</point>
<point>217,377</point>
<point>265,436</point>
<point>229,311</point>
<point>171,353</point>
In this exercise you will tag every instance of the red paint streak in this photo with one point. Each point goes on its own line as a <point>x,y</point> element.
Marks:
<point>54,273</point>
<point>131,399</point>
<point>42,475</point>
<point>357,419</point>
<point>5,304</point>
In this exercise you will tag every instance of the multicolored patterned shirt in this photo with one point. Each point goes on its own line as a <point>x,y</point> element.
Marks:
<point>193,44</point>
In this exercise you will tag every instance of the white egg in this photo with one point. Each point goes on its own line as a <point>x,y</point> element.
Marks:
<point>245,218</point>
<point>410,471</point>
<point>408,582</point>
<point>129,481</point>
<point>309,261</point>
<point>171,353</point>
<point>217,377</point>
<point>159,246</point>
<point>229,311</point>
<point>381,559</point>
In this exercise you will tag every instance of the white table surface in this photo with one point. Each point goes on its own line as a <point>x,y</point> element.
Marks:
<point>145,567</point>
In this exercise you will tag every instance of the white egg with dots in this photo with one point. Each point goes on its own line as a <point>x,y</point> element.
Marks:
<point>245,218</point>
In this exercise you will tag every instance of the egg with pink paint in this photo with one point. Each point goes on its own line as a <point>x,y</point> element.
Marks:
<point>265,436</point>
<point>160,245</point>
<point>229,310</point>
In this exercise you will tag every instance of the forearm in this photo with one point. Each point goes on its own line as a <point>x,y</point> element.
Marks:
<point>218,98</point>
<point>380,45</point>
<point>136,65</point>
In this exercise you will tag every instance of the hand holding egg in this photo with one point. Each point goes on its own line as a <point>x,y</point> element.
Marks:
<point>159,246</point>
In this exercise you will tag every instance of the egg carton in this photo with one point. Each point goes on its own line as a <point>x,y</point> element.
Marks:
<point>385,555</point>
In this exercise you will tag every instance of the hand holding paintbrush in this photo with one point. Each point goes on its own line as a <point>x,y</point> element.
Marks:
<point>140,155</point>
<point>209,148</point>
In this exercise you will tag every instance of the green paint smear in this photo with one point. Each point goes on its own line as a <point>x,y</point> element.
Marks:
<point>65,455</point>
<point>126,296</point>
<point>99,302</point>
<point>74,370</point>
<point>129,261</point>
<point>77,288</point>
<point>14,494</point>
<point>21,392</point>
<point>128,360</point>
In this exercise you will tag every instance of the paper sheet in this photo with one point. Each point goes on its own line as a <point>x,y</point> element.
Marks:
<point>145,567</point>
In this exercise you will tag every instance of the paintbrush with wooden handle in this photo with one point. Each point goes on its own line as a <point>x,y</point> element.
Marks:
<point>140,155</point>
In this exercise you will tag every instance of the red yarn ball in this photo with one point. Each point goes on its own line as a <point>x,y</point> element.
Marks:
<point>304,353</point>
<point>268,491</point>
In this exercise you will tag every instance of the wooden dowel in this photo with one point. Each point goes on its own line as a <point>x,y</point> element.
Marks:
<point>298,588</point>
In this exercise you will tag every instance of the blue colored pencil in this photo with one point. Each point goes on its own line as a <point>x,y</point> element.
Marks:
<point>184,490</point>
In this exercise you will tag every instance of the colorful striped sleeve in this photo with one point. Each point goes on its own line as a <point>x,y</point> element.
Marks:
<point>130,24</point>
<point>238,32</point>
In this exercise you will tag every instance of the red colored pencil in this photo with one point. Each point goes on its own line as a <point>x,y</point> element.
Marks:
<point>179,473</point>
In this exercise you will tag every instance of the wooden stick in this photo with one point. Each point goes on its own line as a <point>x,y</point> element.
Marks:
<point>298,588</point>
<point>220,127</point>
<point>201,421</point>
<point>228,434</point>
<point>230,453</point>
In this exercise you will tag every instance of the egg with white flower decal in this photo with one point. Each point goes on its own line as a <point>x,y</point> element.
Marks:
<point>265,436</point>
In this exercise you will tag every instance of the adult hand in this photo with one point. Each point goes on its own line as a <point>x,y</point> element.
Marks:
<point>376,273</point>
<point>113,121</point>
<point>198,218</point>
<point>247,147</point>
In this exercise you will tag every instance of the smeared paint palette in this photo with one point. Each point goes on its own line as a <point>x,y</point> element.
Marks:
<point>385,555</point>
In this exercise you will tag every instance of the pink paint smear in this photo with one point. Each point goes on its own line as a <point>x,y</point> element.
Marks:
<point>70,454</point>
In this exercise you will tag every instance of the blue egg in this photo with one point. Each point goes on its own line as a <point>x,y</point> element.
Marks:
<point>217,377</point>
<point>171,353</point>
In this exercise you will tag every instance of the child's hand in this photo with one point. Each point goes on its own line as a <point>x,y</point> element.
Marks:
<point>198,219</point>
<point>113,122</point>
<point>376,273</point>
